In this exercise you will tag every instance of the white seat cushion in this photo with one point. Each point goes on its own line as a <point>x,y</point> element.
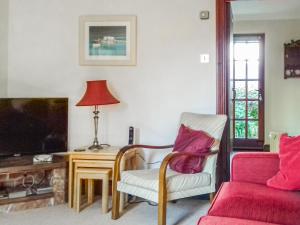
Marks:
<point>148,179</point>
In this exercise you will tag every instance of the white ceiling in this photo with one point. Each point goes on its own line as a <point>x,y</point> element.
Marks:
<point>266,10</point>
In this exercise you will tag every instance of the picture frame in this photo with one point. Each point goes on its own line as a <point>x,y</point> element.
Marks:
<point>292,59</point>
<point>107,40</point>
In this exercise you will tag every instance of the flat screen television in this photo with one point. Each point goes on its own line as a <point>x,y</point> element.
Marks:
<point>30,126</point>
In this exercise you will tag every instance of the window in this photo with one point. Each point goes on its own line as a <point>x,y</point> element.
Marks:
<point>247,83</point>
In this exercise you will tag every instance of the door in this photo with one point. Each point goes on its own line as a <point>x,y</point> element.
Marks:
<point>247,82</point>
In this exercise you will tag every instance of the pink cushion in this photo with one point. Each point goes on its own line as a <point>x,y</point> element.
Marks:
<point>257,202</point>
<point>191,141</point>
<point>215,220</point>
<point>288,176</point>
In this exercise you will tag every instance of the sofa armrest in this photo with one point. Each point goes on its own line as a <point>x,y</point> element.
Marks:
<point>254,167</point>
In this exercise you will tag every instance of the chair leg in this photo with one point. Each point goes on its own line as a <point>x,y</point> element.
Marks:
<point>162,211</point>
<point>211,197</point>
<point>122,196</point>
<point>105,193</point>
<point>115,214</point>
<point>78,193</point>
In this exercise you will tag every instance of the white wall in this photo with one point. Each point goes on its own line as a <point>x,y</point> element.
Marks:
<point>282,97</point>
<point>168,78</point>
<point>3,46</point>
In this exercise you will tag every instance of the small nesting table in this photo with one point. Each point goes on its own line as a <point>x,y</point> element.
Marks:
<point>92,174</point>
<point>104,158</point>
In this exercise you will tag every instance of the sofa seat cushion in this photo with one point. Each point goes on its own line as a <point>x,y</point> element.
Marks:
<point>257,202</point>
<point>148,179</point>
<point>215,220</point>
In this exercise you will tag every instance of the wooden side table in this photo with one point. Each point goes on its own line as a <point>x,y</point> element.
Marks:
<point>92,174</point>
<point>104,158</point>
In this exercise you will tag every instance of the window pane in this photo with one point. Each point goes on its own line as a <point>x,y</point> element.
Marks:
<point>252,50</point>
<point>252,89</point>
<point>252,129</point>
<point>240,70</point>
<point>253,69</point>
<point>253,110</point>
<point>240,89</point>
<point>246,50</point>
<point>240,109</point>
<point>239,51</point>
<point>240,129</point>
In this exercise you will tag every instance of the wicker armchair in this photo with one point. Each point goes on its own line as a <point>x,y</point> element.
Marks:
<point>163,184</point>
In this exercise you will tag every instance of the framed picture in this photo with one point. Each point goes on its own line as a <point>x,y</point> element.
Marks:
<point>107,40</point>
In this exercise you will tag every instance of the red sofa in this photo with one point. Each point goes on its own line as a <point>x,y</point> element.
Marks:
<point>246,200</point>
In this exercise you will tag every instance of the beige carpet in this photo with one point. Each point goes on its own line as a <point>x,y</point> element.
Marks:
<point>184,212</point>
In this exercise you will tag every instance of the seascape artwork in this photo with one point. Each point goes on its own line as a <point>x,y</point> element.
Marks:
<point>107,40</point>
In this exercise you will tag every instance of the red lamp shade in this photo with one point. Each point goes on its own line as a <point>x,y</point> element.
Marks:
<point>97,93</point>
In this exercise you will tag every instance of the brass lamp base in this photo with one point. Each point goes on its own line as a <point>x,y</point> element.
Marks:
<point>95,147</point>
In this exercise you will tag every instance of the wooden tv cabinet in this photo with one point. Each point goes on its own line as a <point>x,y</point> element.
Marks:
<point>12,171</point>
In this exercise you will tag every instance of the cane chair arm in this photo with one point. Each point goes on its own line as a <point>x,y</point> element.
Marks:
<point>117,173</point>
<point>125,149</point>
<point>162,191</point>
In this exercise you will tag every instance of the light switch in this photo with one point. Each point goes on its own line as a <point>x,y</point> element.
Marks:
<point>204,58</point>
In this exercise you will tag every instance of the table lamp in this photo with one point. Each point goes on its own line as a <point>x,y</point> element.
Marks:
<point>97,94</point>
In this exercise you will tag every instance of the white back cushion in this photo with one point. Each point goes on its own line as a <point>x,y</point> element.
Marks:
<point>211,124</point>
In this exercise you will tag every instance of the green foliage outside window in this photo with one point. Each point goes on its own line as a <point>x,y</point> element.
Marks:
<point>240,129</point>
<point>240,113</point>
<point>253,110</point>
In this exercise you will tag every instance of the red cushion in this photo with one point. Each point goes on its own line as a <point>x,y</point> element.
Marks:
<point>215,220</point>
<point>191,141</point>
<point>288,176</point>
<point>257,202</point>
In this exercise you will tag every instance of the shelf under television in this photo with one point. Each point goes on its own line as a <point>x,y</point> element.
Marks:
<point>12,168</point>
<point>25,163</point>
<point>26,199</point>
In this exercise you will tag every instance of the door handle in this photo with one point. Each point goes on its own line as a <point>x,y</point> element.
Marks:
<point>260,97</point>
<point>233,93</point>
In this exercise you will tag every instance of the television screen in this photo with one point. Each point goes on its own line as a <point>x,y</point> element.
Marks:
<point>31,126</point>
